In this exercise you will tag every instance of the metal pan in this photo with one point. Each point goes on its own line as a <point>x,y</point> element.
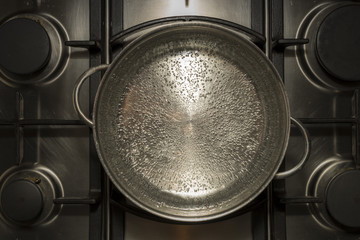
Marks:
<point>191,122</point>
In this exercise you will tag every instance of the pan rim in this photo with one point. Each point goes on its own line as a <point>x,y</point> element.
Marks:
<point>197,218</point>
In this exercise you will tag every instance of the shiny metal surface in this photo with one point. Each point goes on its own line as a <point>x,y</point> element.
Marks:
<point>317,185</point>
<point>58,147</point>
<point>191,122</point>
<point>76,93</point>
<point>49,185</point>
<point>138,11</point>
<point>305,156</point>
<point>52,147</point>
<point>306,54</point>
<point>235,228</point>
<point>332,144</point>
<point>52,100</point>
<point>58,58</point>
<point>328,157</point>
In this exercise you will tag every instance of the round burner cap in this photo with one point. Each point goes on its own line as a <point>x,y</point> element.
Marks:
<point>24,46</point>
<point>337,43</point>
<point>21,200</point>
<point>343,199</point>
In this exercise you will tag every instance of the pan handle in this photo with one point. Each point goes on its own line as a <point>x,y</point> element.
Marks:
<point>297,167</point>
<point>77,88</point>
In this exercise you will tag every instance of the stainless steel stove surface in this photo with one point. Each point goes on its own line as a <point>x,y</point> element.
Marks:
<point>51,182</point>
<point>323,93</point>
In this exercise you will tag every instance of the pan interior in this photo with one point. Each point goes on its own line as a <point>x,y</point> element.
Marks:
<point>191,122</point>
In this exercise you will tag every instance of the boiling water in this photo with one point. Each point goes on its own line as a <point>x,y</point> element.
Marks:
<point>191,126</point>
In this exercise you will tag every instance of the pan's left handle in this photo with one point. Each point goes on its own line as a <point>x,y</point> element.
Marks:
<point>301,163</point>
<point>77,88</point>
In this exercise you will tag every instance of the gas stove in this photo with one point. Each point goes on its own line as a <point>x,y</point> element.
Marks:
<point>51,182</point>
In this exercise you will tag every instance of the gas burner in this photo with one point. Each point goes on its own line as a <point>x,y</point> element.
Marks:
<point>335,182</point>
<point>343,199</point>
<point>32,50</point>
<point>22,200</point>
<point>24,46</point>
<point>27,194</point>
<point>331,57</point>
<point>337,43</point>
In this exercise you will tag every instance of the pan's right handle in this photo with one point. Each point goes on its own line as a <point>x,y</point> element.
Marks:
<point>77,88</point>
<point>297,167</point>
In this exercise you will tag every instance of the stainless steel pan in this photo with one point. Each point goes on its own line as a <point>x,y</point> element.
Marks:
<point>191,122</point>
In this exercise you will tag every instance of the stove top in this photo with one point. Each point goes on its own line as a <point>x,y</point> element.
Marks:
<point>51,181</point>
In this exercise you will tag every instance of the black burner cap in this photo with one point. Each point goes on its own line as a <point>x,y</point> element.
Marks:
<point>24,46</point>
<point>343,199</point>
<point>338,43</point>
<point>21,201</point>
